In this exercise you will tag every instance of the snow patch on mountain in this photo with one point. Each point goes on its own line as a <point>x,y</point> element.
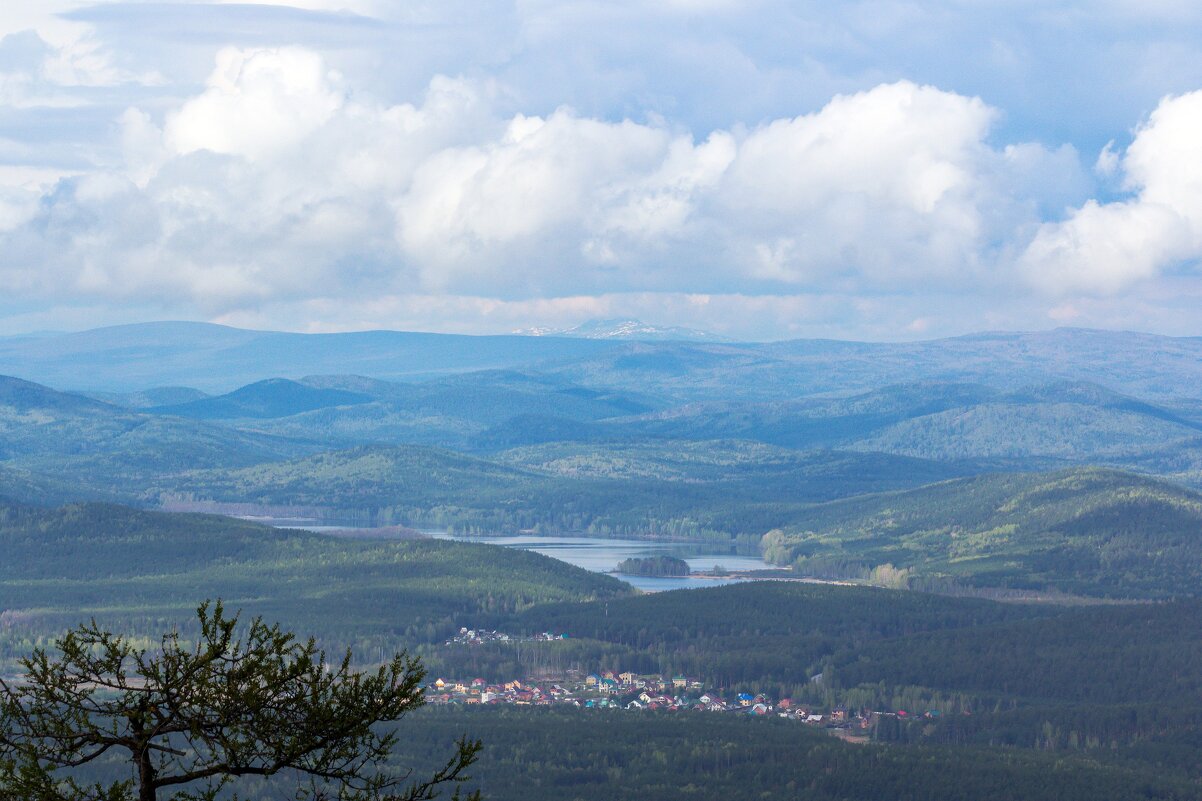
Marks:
<point>623,329</point>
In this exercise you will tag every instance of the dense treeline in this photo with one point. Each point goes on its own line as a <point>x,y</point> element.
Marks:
<point>1052,678</point>
<point>534,754</point>
<point>662,565</point>
<point>552,754</point>
<point>1121,654</point>
<point>1129,731</point>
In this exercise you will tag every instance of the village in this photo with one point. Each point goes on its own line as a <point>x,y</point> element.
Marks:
<point>610,689</point>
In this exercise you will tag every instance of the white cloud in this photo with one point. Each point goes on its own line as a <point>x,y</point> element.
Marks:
<point>47,60</point>
<point>640,152</point>
<point>258,103</point>
<point>278,180</point>
<point>884,182</point>
<point>883,187</point>
<point>1107,247</point>
<point>35,72</point>
<point>527,202</point>
<point>1108,160</point>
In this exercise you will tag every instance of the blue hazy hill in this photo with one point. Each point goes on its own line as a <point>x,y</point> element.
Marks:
<point>273,397</point>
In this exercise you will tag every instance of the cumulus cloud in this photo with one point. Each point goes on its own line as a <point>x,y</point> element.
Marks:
<point>881,187</point>
<point>277,180</point>
<point>582,158</point>
<point>885,181</point>
<point>280,182</point>
<point>54,63</point>
<point>1107,247</point>
<point>257,103</point>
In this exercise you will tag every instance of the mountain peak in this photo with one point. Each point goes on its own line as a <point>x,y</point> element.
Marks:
<point>623,328</point>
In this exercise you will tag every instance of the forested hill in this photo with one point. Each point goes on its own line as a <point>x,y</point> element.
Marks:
<point>105,450</point>
<point>1090,531</point>
<point>718,489</point>
<point>143,570</point>
<point>273,397</point>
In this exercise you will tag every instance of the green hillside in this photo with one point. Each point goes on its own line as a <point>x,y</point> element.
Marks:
<point>721,490</point>
<point>756,634</point>
<point>1063,420</point>
<point>1070,431</point>
<point>708,461</point>
<point>273,397</point>
<point>1114,654</point>
<point>107,450</point>
<point>143,570</point>
<point>342,410</point>
<point>1089,531</point>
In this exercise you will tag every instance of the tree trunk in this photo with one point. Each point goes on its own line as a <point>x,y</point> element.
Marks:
<point>142,755</point>
<point>146,777</point>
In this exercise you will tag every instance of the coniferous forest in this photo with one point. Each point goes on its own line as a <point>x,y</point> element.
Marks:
<point>908,616</point>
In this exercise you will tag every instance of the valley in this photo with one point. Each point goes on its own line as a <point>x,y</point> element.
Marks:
<point>996,564</point>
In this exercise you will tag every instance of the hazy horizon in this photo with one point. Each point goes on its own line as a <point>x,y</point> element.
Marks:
<point>567,332</point>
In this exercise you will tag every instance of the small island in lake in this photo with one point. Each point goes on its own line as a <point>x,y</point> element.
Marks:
<point>654,566</point>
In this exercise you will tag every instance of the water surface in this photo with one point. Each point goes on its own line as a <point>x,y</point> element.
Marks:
<point>600,555</point>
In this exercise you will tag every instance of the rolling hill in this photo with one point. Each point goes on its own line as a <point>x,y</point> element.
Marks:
<point>780,473</point>
<point>1141,365</point>
<point>218,359</point>
<point>108,451</point>
<point>1088,531</point>
<point>1034,427</point>
<point>270,398</point>
<point>149,398</point>
<point>449,412</point>
<point>146,570</point>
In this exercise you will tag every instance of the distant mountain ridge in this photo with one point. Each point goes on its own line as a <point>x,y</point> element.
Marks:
<point>217,359</point>
<point>271,398</point>
<point>65,441</point>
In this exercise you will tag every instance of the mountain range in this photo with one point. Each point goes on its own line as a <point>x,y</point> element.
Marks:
<point>714,440</point>
<point>219,359</point>
<point>1063,467</point>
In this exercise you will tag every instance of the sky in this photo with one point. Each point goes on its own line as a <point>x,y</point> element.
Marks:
<point>759,169</point>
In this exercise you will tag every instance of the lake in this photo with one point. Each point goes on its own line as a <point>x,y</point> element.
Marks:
<point>602,555</point>
<point>595,554</point>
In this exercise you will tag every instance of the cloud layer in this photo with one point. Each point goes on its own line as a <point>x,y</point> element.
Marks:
<point>289,186</point>
<point>277,178</point>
